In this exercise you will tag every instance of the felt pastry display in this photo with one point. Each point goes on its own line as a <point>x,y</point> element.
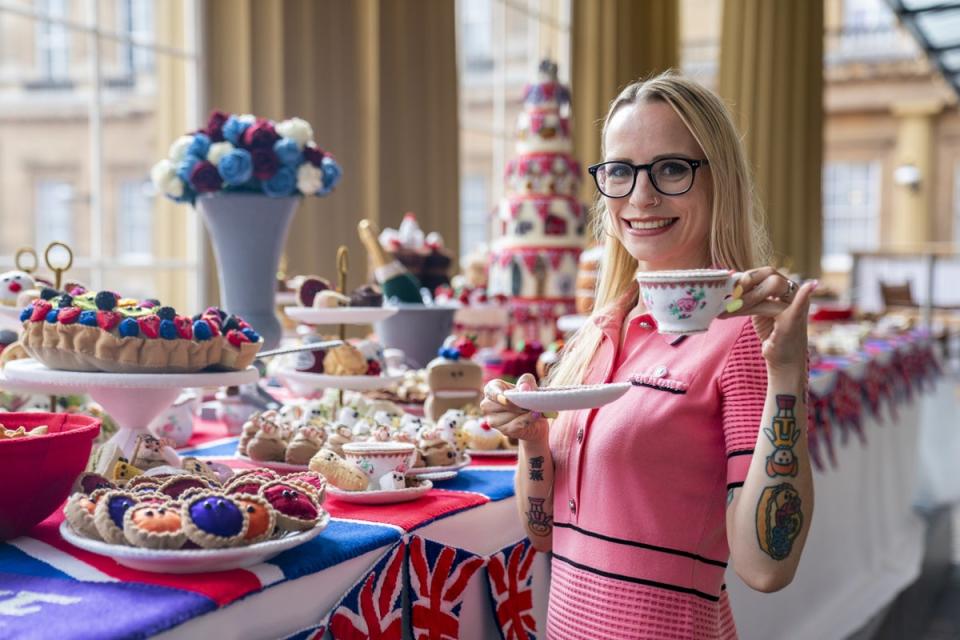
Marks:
<point>101,331</point>
<point>192,510</point>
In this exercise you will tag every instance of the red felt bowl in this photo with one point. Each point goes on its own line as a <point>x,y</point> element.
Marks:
<point>36,472</point>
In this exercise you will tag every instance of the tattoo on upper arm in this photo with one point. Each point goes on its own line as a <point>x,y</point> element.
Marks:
<point>539,521</point>
<point>783,433</point>
<point>536,468</point>
<point>779,520</point>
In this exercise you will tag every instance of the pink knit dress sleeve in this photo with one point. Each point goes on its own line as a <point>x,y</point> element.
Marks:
<point>743,390</point>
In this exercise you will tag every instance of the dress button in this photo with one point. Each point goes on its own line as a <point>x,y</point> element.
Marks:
<point>660,371</point>
<point>573,506</point>
<point>580,434</point>
<point>646,325</point>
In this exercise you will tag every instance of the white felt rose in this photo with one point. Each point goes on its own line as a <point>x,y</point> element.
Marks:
<point>178,150</point>
<point>309,179</point>
<point>217,151</point>
<point>297,129</point>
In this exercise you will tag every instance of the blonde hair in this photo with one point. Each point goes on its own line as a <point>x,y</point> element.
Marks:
<point>736,238</point>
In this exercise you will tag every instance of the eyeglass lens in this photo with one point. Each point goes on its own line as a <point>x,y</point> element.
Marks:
<point>670,176</point>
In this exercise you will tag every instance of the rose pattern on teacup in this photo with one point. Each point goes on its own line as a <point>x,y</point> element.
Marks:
<point>683,308</point>
<point>685,302</point>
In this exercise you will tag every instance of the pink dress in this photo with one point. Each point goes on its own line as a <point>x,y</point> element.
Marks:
<point>639,541</point>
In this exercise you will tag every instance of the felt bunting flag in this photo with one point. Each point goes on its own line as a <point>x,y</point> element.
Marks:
<point>510,572</point>
<point>438,577</point>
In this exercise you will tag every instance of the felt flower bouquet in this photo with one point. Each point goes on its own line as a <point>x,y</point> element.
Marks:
<point>246,154</point>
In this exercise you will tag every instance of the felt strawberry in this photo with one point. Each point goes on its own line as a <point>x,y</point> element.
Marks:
<point>236,338</point>
<point>184,327</point>
<point>40,310</point>
<point>69,315</point>
<point>107,320</point>
<point>149,326</point>
<point>466,347</point>
<point>214,325</point>
<point>373,367</point>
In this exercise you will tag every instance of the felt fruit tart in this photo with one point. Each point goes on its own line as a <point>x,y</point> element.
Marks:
<point>100,331</point>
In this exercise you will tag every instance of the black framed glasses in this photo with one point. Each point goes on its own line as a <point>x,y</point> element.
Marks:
<point>669,176</point>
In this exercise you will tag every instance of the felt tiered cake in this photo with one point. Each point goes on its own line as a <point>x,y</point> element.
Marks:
<point>541,224</point>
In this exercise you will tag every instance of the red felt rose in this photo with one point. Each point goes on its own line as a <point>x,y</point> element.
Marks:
<point>264,163</point>
<point>466,347</point>
<point>204,177</point>
<point>313,155</point>
<point>259,135</point>
<point>215,125</point>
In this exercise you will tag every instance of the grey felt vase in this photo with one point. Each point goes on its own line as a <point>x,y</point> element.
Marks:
<point>248,232</point>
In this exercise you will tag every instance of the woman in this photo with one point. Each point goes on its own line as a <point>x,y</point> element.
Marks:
<point>704,459</point>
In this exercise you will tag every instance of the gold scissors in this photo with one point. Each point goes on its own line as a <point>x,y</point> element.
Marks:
<point>26,260</point>
<point>63,267</point>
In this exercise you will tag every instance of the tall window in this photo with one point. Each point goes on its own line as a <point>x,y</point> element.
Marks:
<point>52,214</point>
<point>52,43</point>
<point>851,211</point>
<point>68,144</point>
<point>135,220</point>
<point>500,45</point>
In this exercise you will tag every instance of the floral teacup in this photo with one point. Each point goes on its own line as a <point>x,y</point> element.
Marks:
<point>380,459</point>
<point>685,302</point>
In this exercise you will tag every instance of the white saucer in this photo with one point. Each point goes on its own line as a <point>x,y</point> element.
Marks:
<point>312,381</point>
<point>419,471</point>
<point>282,467</point>
<point>567,398</point>
<point>193,560</point>
<point>339,315</point>
<point>493,453</point>
<point>380,496</point>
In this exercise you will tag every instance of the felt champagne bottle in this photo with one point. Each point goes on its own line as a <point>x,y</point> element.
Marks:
<point>394,279</point>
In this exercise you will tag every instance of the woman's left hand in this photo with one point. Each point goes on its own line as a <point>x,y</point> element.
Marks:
<point>779,309</point>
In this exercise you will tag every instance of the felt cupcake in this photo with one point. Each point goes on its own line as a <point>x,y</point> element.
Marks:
<point>295,506</point>
<point>213,520</point>
<point>79,512</point>
<point>177,485</point>
<point>109,513</point>
<point>154,526</point>
<point>261,517</point>
<point>305,443</point>
<point>338,472</point>
<point>481,436</point>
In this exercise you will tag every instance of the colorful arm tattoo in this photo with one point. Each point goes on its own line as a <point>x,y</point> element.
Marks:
<point>784,434</point>
<point>779,520</point>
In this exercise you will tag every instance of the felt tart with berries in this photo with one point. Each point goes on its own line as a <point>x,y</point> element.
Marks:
<point>104,332</point>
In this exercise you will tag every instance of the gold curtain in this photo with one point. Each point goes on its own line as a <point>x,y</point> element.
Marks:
<point>771,75</point>
<point>615,42</point>
<point>377,80</point>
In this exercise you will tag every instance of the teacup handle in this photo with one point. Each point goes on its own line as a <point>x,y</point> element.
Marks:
<point>732,281</point>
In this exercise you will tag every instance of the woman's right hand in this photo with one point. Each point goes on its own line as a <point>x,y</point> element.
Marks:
<point>508,418</point>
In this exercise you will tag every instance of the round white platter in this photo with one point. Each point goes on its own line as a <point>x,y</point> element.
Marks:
<point>567,398</point>
<point>304,380</point>
<point>429,471</point>
<point>193,560</point>
<point>339,315</point>
<point>381,496</point>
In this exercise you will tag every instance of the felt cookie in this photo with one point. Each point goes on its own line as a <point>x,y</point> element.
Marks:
<point>338,471</point>
<point>261,516</point>
<point>296,508</point>
<point>123,471</point>
<point>154,526</point>
<point>213,520</point>
<point>108,515</point>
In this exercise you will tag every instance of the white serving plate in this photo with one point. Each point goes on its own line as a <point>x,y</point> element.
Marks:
<point>339,315</point>
<point>419,471</point>
<point>381,496</point>
<point>493,453</point>
<point>567,398</point>
<point>281,467</point>
<point>314,381</point>
<point>193,560</point>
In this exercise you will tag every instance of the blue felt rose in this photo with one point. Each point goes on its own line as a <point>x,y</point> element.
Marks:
<point>282,183</point>
<point>236,167</point>
<point>288,153</point>
<point>331,173</point>
<point>199,146</point>
<point>233,129</point>
<point>185,168</point>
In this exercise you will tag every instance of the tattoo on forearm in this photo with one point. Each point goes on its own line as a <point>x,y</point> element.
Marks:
<point>539,521</point>
<point>784,433</point>
<point>779,520</point>
<point>729,496</point>
<point>536,468</point>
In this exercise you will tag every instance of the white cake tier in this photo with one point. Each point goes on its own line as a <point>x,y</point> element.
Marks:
<point>541,221</point>
<point>543,131</point>
<point>533,272</point>
<point>543,174</point>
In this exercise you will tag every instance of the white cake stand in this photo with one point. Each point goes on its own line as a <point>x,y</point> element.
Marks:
<point>132,399</point>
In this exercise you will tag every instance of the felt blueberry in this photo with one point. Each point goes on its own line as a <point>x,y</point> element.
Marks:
<point>52,315</point>
<point>66,300</point>
<point>88,318</point>
<point>129,328</point>
<point>252,335</point>
<point>106,300</point>
<point>201,330</point>
<point>167,313</point>
<point>168,330</point>
<point>231,323</point>
<point>26,313</point>
<point>48,293</point>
